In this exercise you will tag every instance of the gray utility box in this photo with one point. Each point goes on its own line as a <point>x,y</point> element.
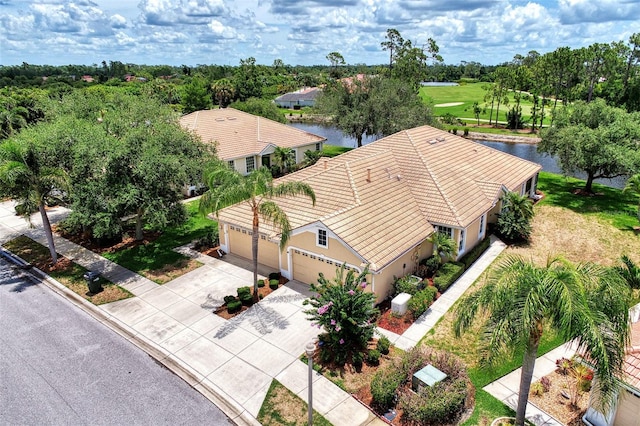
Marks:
<point>428,376</point>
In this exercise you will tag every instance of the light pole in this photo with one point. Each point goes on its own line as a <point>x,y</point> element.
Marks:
<point>310,348</point>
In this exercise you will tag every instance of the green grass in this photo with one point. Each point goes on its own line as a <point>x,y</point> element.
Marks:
<point>488,407</point>
<point>488,130</point>
<point>609,204</point>
<point>468,94</point>
<point>333,150</point>
<point>280,399</point>
<point>159,253</point>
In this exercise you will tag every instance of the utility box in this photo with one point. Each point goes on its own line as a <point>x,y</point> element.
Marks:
<point>428,376</point>
<point>399,303</point>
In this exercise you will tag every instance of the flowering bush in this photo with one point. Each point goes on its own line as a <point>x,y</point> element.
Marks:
<point>345,310</point>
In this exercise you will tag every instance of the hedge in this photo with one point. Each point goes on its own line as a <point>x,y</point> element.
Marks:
<point>234,306</point>
<point>475,252</point>
<point>447,275</point>
<point>421,301</point>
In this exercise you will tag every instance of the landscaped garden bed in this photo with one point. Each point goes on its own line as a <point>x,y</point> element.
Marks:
<point>66,272</point>
<point>236,304</point>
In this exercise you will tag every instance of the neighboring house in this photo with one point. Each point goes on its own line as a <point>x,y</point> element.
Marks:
<point>298,99</point>
<point>626,411</point>
<point>246,141</point>
<point>378,204</point>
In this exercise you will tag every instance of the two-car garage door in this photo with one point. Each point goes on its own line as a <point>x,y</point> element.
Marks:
<point>628,412</point>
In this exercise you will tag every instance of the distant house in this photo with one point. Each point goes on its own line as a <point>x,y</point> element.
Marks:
<point>626,411</point>
<point>87,78</point>
<point>247,141</point>
<point>377,205</point>
<point>298,99</point>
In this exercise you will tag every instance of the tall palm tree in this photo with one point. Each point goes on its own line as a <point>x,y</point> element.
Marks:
<point>585,303</point>
<point>443,246</point>
<point>257,190</point>
<point>223,91</point>
<point>283,159</point>
<point>27,180</point>
<point>633,186</point>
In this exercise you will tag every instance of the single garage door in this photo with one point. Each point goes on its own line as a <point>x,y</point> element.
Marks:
<point>307,266</point>
<point>628,412</point>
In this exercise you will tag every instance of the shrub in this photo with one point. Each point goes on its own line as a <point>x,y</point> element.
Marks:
<point>432,263</point>
<point>406,284</point>
<point>345,310</point>
<point>454,130</point>
<point>441,403</point>
<point>475,252</point>
<point>261,283</point>
<point>421,301</point>
<point>466,132</point>
<point>564,366</point>
<point>357,359</point>
<point>447,275</point>
<point>373,357</point>
<point>546,383</point>
<point>274,276</point>
<point>384,385</point>
<point>383,345</point>
<point>228,299</point>
<point>234,306</point>
<point>537,389</point>
<point>243,290</point>
<point>211,239</point>
<point>246,299</point>
<point>514,220</point>
<point>273,284</point>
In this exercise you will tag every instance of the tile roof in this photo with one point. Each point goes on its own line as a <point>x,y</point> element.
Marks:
<point>632,360</point>
<point>382,199</point>
<point>239,134</point>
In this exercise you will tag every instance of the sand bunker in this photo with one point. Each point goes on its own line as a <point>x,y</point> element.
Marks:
<point>449,104</point>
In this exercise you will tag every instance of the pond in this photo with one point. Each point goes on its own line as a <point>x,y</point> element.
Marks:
<point>525,151</point>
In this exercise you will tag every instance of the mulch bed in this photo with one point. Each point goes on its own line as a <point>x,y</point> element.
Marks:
<point>392,322</point>
<point>558,406</point>
<point>262,293</point>
<point>108,247</point>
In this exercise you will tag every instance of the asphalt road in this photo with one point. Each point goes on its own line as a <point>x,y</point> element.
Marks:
<point>58,366</point>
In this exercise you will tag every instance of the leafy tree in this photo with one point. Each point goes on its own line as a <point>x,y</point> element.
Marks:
<point>514,220</point>
<point>262,107</point>
<point>373,106</point>
<point>594,138</point>
<point>258,191</point>
<point>26,177</point>
<point>585,303</point>
<point>195,96</point>
<point>633,186</point>
<point>345,310</point>
<point>246,80</point>
<point>444,248</point>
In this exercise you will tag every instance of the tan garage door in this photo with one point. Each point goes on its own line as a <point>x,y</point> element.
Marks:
<point>240,242</point>
<point>628,413</point>
<point>306,267</point>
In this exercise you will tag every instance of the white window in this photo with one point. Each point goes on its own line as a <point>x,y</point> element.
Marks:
<point>461,242</point>
<point>445,230</point>
<point>231,164</point>
<point>251,165</point>
<point>322,238</point>
<point>483,219</point>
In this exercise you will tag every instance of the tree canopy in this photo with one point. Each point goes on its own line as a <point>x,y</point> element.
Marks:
<point>597,139</point>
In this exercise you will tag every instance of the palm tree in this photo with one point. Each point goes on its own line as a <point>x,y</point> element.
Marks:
<point>633,186</point>
<point>27,180</point>
<point>629,271</point>
<point>228,187</point>
<point>444,248</point>
<point>514,221</point>
<point>585,303</point>
<point>284,159</point>
<point>224,91</point>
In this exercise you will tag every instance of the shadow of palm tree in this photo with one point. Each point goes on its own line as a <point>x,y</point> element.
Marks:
<point>16,278</point>
<point>263,318</point>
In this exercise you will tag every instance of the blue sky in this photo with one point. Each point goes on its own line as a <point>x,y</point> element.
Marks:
<point>191,32</point>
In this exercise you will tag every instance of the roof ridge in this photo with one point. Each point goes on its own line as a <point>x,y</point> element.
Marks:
<point>352,183</point>
<point>435,180</point>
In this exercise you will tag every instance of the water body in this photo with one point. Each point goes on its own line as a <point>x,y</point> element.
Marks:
<point>525,151</point>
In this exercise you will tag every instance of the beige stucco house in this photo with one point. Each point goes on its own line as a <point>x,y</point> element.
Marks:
<point>247,141</point>
<point>378,204</point>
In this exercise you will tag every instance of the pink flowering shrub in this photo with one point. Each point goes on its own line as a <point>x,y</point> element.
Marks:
<point>345,311</point>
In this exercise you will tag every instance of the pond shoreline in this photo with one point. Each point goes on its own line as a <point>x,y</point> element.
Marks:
<point>503,138</point>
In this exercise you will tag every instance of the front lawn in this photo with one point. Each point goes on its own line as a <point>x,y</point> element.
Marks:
<point>157,260</point>
<point>66,272</point>
<point>283,407</point>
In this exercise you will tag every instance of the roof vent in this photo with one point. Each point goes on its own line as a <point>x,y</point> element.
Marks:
<point>368,174</point>
<point>219,119</point>
<point>432,141</point>
<point>440,139</point>
<point>231,118</point>
<point>399,177</point>
<point>326,163</point>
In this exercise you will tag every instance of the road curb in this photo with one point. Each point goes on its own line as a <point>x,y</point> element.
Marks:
<point>226,404</point>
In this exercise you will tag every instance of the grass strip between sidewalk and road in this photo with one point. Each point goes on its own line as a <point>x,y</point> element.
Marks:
<point>283,407</point>
<point>65,271</point>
